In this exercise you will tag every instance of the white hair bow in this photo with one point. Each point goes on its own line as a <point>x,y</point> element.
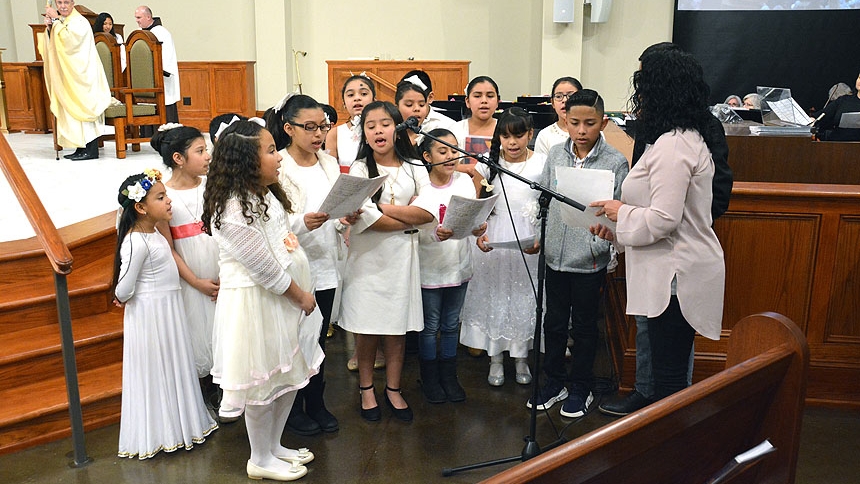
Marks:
<point>283,102</point>
<point>413,79</point>
<point>224,126</point>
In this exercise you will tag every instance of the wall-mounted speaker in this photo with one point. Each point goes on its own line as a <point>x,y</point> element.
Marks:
<point>600,11</point>
<point>562,11</point>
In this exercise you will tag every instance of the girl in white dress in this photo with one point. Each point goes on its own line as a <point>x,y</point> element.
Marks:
<point>557,133</point>
<point>162,408</point>
<point>475,132</point>
<point>342,143</point>
<point>411,100</point>
<point>299,126</point>
<point>183,150</point>
<point>266,322</point>
<point>499,313</point>
<point>381,284</point>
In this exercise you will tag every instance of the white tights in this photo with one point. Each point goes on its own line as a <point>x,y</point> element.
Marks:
<point>265,424</point>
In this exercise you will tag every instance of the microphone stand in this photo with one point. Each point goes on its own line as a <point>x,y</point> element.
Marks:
<point>531,448</point>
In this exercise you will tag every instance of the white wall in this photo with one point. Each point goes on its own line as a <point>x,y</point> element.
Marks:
<point>498,36</point>
<point>514,41</point>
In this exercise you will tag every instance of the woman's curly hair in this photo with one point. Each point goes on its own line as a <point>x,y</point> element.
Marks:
<point>669,92</point>
<point>235,172</point>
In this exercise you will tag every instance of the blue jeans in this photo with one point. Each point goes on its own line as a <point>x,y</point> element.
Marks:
<point>441,314</point>
<point>644,379</point>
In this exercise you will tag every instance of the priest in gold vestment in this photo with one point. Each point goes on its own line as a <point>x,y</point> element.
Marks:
<point>75,79</point>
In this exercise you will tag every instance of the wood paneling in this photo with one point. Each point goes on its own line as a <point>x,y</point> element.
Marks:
<point>448,77</point>
<point>215,88</point>
<point>793,160</point>
<point>792,249</point>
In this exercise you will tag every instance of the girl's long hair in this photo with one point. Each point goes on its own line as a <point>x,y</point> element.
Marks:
<point>235,172</point>
<point>514,121</point>
<point>403,147</point>
<point>126,222</point>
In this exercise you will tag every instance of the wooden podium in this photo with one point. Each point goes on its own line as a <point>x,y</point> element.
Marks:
<point>448,77</point>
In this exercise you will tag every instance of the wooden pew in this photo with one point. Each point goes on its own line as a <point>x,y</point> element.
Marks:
<point>689,436</point>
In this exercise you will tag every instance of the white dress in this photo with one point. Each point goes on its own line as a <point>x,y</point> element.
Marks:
<point>308,187</point>
<point>549,137</point>
<point>200,253</point>
<point>162,407</point>
<point>499,312</point>
<point>381,280</point>
<point>264,346</point>
<point>348,140</point>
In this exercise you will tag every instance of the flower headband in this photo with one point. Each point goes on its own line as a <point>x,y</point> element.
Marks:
<point>413,79</point>
<point>224,126</point>
<point>140,188</point>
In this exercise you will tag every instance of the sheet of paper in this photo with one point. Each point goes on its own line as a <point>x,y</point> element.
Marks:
<point>526,243</point>
<point>584,185</point>
<point>463,215</point>
<point>349,193</point>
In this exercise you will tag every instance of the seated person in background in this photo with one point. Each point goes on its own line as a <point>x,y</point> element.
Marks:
<point>104,23</point>
<point>752,101</point>
<point>733,101</point>
<point>831,125</point>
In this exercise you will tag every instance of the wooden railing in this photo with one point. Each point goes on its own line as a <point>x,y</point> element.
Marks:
<point>61,260</point>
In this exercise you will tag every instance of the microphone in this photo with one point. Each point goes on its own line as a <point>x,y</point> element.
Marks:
<point>410,123</point>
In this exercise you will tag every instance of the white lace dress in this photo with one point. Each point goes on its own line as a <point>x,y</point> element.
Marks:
<point>499,312</point>
<point>162,408</point>
<point>200,253</point>
<point>264,346</point>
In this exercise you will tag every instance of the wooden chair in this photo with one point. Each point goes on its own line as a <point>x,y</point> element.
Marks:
<point>143,97</point>
<point>689,436</point>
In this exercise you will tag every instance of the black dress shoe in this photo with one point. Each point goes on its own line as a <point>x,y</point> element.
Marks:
<point>84,155</point>
<point>370,414</point>
<point>326,421</point>
<point>76,153</point>
<point>404,414</point>
<point>625,406</point>
<point>300,423</point>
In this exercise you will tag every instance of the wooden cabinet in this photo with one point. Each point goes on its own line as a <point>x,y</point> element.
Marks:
<point>212,88</point>
<point>27,102</point>
<point>448,77</point>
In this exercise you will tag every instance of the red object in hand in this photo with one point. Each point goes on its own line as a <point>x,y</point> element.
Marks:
<point>442,209</point>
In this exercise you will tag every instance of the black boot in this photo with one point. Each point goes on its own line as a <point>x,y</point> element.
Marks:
<point>433,391</point>
<point>299,422</point>
<point>315,404</point>
<point>91,152</point>
<point>77,152</point>
<point>448,380</point>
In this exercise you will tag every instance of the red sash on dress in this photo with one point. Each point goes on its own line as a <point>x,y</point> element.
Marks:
<point>187,230</point>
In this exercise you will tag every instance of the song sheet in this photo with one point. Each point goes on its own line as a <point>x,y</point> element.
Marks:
<point>463,215</point>
<point>349,193</point>
<point>584,185</point>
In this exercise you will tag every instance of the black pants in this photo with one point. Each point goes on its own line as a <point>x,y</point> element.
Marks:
<point>671,338</point>
<point>578,295</point>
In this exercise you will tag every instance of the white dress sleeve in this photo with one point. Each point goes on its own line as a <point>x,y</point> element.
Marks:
<point>249,245</point>
<point>132,257</point>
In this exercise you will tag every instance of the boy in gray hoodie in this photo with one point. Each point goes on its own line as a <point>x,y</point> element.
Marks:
<point>576,262</point>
